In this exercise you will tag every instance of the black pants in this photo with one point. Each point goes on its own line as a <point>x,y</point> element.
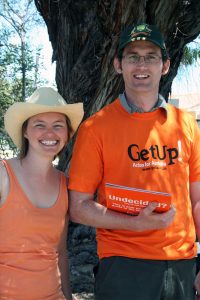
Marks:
<point>121,278</point>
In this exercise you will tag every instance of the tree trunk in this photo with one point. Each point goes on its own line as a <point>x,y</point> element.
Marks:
<point>84,36</point>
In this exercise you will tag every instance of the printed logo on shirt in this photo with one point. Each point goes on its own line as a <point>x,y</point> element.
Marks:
<point>154,157</point>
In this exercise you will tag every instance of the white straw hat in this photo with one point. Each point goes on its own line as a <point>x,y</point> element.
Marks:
<point>44,99</point>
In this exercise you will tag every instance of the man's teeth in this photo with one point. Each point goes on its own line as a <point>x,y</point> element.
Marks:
<point>49,143</point>
<point>141,76</point>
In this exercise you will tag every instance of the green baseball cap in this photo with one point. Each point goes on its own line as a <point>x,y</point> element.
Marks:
<point>142,32</point>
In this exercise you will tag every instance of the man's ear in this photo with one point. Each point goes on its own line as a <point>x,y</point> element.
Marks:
<point>166,66</point>
<point>117,65</point>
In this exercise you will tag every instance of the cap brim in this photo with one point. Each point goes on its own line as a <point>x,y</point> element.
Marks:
<point>122,46</point>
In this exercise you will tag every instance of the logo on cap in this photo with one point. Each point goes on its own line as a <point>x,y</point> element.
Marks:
<point>141,29</point>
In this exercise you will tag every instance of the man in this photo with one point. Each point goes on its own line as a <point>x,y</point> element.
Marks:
<point>142,156</point>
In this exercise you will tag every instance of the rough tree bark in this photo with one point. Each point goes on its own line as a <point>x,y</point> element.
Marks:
<point>84,35</point>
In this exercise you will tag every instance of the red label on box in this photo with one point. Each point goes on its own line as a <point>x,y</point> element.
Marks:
<point>132,200</point>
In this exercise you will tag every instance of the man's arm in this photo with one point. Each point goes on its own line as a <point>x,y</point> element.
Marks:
<point>195,199</point>
<point>83,209</point>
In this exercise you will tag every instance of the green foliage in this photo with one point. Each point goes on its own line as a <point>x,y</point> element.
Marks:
<point>5,101</point>
<point>190,55</point>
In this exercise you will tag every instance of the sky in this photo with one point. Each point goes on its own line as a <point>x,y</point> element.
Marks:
<point>187,80</point>
<point>40,37</point>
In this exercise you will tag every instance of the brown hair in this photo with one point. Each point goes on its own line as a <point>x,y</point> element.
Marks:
<point>25,144</point>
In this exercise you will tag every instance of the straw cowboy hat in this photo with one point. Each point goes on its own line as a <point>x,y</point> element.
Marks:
<point>44,99</point>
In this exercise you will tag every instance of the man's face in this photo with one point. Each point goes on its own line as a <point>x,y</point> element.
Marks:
<point>140,76</point>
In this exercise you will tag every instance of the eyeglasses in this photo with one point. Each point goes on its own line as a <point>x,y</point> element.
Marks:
<point>148,59</point>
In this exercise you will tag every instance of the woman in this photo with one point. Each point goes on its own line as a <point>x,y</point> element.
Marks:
<point>34,201</point>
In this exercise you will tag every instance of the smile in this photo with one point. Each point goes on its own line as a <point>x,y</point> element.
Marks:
<point>48,143</point>
<point>141,76</point>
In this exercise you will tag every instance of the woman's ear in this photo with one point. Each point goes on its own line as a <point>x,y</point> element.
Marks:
<point>166,66</point>
<point>117,65</point>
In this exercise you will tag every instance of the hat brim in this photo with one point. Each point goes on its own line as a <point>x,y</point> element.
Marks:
<point>19,112</point>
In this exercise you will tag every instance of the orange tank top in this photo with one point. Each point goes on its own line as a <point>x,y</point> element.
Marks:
<point>29,237</point>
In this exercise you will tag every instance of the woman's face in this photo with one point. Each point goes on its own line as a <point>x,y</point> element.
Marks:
<point>47,133</point>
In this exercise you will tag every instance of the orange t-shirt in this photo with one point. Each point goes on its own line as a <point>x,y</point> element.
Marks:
<point>156,151</point>
<point>28,249</point>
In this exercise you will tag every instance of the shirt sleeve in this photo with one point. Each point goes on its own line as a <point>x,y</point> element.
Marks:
<point>86,169</point>
<point>194,162</point>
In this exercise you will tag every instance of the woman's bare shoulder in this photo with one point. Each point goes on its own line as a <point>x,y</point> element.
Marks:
<point>4,182</point>
<point>2,169</point>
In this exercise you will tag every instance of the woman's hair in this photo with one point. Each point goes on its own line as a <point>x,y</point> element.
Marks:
<point>25,144</point>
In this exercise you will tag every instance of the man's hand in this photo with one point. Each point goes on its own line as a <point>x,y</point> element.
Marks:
<point>149,220</point>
